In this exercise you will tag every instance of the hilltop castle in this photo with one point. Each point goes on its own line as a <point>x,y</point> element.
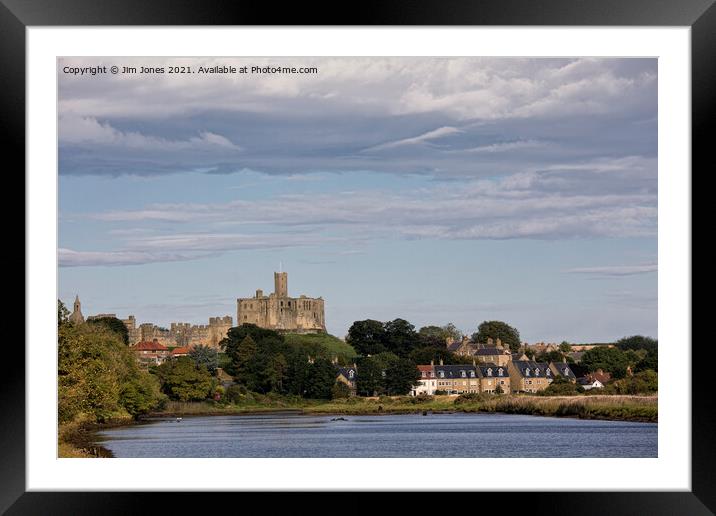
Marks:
<point>279,312</point>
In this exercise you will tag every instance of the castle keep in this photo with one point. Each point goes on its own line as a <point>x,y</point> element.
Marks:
<point>279,312</point>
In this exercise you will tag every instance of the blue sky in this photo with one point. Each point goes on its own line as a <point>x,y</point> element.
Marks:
<point>433,189</point>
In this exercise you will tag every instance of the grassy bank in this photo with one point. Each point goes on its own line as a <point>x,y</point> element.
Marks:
<point>78,438</point>
<point>624,408</point>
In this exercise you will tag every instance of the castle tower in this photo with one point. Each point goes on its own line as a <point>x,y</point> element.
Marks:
<point>280,284</point>
<point>77,316</point>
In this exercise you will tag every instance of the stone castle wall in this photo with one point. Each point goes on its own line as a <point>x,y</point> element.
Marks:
<point>279,312</point>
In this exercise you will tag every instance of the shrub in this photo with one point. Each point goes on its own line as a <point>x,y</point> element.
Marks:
<point>340,391</point>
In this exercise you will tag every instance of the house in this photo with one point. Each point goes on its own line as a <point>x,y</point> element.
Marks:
<point>463,348</point>
<point>494,355</point>
<point>428,383</point>
<point>181,351</point>
<point>588,384</point>
<point>529,376</point>
<point>563,369</point>
<point>348,376</point>
<point>457,379</point>
<point>493,376</point>
<point>150,353</point>
<point>582,372</point>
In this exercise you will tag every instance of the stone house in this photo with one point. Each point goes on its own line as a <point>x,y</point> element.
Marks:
<point>529,376</point>
<point>457,379</point>
<point>493,376</point>
<point>348,376</point>
<point>562,369</point>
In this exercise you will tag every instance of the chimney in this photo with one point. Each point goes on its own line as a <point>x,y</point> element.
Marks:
<point>441,361</point>
<point>490,342</point>
<point>354,366</point>
<point>473,363</point>
<point>432,362</point>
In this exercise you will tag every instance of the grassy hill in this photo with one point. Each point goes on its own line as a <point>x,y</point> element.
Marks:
<point>333,344</point>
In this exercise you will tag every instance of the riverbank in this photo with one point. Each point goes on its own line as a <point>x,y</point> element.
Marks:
<point>78,439</point>
<point>615,407</point>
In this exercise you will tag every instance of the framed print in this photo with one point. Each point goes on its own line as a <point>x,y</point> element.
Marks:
<point>485,213</point>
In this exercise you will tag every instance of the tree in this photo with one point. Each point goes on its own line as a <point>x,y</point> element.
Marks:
<point>370,377</point>
<point>113,324</point>
<point>498,330</point>
<point>613,360</point>
<point>262,337</point>
<point>637,342</point>
<point>241,356</point>
<point>62,313</point>
<point>452,331</point>
<point>400,337</point>
<point>433,336</point>
<point>205,356</point>
<point>181,380</point>
<point>565,347</point>
<point>561,386</point>
<point>321,378</point>
<point>340,391</point>
<point>98,376</point>
<point>649,362</point>
<point>401,376</point>
<point>367,337</point>
<point>435,354</point>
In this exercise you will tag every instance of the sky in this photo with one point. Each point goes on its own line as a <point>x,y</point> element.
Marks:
<point>436,190</point>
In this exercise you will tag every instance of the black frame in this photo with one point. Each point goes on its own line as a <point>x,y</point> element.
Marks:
<point>16,15</point>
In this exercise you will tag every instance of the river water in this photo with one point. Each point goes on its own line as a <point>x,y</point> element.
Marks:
<point>437,435</point>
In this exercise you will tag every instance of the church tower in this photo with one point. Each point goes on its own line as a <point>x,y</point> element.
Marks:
<point>77,316</point>
<point>280,280</point>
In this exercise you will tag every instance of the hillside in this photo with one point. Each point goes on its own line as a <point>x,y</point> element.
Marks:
<point>333,344</point>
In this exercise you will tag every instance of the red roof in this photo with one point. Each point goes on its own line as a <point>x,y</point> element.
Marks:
<point>181,351</point>
<point>426,368</point>
<point>150,346</point>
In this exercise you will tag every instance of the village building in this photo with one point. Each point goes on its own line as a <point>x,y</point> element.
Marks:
<point>494,355</point>
<point>529,376</point>
<point>457,379</point>
<point>589,384</point>
<point>150,353</point>
<point>562,369</point>
<point>427,384</point>
<point>349,377</point>
<point>493,376</point>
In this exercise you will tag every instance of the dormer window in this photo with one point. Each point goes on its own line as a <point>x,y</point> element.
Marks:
<point>489,371</point>
<point>442,374</point>
<point>350,373</point>
<point>472,374</point>
<point>500,371</point>
<point>462,373</point>
<point>537,371</point>
<point>527,371</point>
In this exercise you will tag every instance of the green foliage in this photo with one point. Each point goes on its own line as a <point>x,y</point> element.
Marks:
<point>235,393</point>
<point>325,345</point>
<point>62,313</point>
<point>181,380</point>
<point>499,390</point>
<point>340,391</point>
<point>649,362</point>
<point>561,386</point>
<point>98,376</point>
<point>367,337</point>
<point>113,324</point>
<point>370,377</point>
<point>205,356</point>
<point>613,360</point>
<point>637,342</point>
<point>400,376</point>
<point>321,379</point>
<point>565,347</point>
<point>400,337</point>
<point>645,382</point>
<point>434,353</point>
<point>551,356</point>
<point>498,330</point>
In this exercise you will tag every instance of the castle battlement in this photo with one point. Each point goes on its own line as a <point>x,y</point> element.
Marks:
<point>280,312</point>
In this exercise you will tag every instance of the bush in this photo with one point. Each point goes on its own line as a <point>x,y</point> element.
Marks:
<point>340,391</point>
<point>470,397</point>
<point>235,393</point>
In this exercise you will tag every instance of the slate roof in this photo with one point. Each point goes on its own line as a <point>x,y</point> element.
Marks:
<point>491,351</point>
<point>345,371</point>
<point>455,371</point>
<point>561,366</point>
<point>454,346</point>
<point>523,365</point>
<point>483,371</point>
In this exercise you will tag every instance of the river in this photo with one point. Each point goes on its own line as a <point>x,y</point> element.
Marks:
<point>287,435</point>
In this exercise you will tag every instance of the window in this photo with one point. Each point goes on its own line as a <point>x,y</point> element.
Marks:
<point>442,374</point>
<point>500,371</point>
<point>527,371</point>
<point>537,371</point>
<point>350,373</point>
<point>472,374</point>
<point>489,371</point>
<point>462,373</point>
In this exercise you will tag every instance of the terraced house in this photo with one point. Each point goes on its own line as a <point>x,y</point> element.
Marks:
<point>493,376</point>
<point>529,376</point>
<point>457,379</point>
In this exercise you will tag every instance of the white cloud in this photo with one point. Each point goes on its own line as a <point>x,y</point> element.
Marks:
<point>430,135</point>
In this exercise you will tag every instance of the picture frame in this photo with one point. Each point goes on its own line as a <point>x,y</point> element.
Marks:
<point>17,15</point>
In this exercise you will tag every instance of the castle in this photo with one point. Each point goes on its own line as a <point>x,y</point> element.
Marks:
<point>279,312</point>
